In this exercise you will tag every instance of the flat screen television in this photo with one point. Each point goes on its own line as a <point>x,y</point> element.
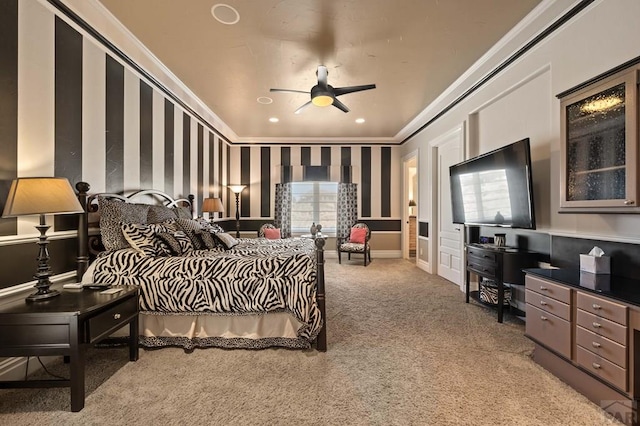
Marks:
<point>494,189</point>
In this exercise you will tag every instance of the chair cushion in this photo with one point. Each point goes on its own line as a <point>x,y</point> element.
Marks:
<point>272,233</point>
<point>352,247</point>
<point>358,235</point>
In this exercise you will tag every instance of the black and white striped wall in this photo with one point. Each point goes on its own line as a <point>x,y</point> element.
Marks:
<point>73,105</point>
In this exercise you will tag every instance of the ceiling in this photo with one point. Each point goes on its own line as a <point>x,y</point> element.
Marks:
<point>411,49</point>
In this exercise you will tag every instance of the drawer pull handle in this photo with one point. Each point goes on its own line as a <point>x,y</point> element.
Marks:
<point>543,288</point>
<point>596,306</point>
<point>543,318</point>
<point>116,316</point>
<point>597,324</point>
<point>595,365</point>
<point>595,344</point>
<point>543,303</point>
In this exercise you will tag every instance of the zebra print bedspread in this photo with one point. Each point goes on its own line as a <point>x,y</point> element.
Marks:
<point>255,276</point>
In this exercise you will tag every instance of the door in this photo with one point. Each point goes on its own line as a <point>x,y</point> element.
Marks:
<point>450,235</point>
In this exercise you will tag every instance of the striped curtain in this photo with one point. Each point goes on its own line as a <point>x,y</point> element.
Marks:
<point>347,208</point>
<point>282,216</point>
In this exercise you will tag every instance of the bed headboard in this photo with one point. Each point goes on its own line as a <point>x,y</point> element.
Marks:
<point>89,242</point>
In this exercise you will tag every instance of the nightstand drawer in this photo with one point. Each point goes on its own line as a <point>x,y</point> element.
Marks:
<point>602,308</point>
<point>548,289</point>
<point>609,329</point>
<point>482,255</point>
<point>549,330</point>
<point>110,320</point>
<point>548,304</point>
<point>602,368</point>
<point>602,346</point>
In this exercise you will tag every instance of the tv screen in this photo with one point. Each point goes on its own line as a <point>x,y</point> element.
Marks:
<point>494,189</point>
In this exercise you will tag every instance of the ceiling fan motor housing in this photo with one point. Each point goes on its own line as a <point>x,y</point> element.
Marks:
<point>322,95</point>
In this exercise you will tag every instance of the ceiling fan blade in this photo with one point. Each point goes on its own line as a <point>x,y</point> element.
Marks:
<point>351,89</point>
<point>288,91</point>
<point>299,110</point>
<point>322,75</point>
<point>340,105</point>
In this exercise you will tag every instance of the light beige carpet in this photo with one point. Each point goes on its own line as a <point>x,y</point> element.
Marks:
<point>404,349</point>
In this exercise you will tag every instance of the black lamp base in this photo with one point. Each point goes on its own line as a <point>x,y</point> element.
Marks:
<point>42,294</point>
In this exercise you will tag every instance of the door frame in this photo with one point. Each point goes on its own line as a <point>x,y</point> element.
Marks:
<point>410,157</point>
<point>434,186</point>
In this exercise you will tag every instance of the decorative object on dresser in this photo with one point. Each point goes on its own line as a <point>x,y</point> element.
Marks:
<point>500,265</point>
<point>212,205</point>
<point>237,189</point>
<point>412,204</point>
<point>64,326</point>
<point>41,196</point>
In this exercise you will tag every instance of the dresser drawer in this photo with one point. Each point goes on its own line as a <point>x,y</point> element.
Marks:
<point>607,349</point>
<point>549,330</point>
<point>110,320</point>
<point>548,304</point>
<point>602,308</point>
<point>602,368</point>
<point>548,289</point>
<point>609,329</point>
<point>486,269</point>
<point>482,255</point>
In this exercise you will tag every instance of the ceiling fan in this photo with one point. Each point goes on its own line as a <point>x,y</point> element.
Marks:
<point>323,94</point>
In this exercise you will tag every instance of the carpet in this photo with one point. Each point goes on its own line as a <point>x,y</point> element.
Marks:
<point>403,349</point>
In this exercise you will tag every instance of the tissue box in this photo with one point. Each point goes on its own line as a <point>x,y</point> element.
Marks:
<point>594,264</point>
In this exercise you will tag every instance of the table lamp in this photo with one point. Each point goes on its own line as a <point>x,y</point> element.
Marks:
<point>212,205</point>
<point>41,196</point>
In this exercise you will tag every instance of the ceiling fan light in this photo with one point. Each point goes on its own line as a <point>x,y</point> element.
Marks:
<point>322,100</point>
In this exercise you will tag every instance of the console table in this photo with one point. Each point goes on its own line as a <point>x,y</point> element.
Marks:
<point>500,264</point>
<point>65,325</point>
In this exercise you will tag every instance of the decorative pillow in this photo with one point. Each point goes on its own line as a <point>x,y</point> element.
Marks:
<point>158,214</point>
<point>177,241</point>
<point>272,233</point>
<point>182,212</point>
<point>358,235</point>
<point>213,228</point>
<point>193,229</point>
<point>227,240</point>
<point>207,239</point>
<point>143,238</point>
<point>113,213</point>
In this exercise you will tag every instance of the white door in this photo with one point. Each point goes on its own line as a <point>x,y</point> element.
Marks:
<point>450,236</point>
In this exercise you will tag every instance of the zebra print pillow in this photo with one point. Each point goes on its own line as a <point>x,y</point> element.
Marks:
<point>113,213</point>
<point>227,240</point>
<point>194,231</point>
<point>143,238</point>
<point>177,241</point>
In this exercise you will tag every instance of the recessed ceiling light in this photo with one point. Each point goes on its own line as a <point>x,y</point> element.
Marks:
<point>264,100</point>
<point>360,120</point>
<point>274,119</point>
<point>225,14</point>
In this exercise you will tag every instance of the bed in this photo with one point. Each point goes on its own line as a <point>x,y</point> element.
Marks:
<point>251,293</point>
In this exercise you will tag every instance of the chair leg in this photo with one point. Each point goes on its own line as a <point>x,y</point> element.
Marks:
<point>339,257</point>
<point>349,254</point>
<point>365,258</point>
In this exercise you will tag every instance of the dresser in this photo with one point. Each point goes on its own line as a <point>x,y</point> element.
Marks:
<point>585,328</point>
<point>500,264</point>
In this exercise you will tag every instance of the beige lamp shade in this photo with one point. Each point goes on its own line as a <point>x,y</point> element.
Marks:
<point>236,189</point>
<point>212,205</point>
<point>41,195</point>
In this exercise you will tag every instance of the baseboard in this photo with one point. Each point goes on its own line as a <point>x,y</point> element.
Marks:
<point>379,254</point>
<point>425,266</point>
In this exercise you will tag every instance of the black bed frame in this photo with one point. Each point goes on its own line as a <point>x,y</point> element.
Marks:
<point>90,243</point>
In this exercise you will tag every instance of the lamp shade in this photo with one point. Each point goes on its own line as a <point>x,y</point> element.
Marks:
<point>41,195</point>
<point>412,203</point>
<point>212,205</point>
<point>236,189</point>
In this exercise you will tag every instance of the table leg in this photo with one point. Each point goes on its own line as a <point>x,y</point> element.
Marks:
<point>76,373</point>
<point>500,299</point>
<point>467,278</point>
<point>133,339</point>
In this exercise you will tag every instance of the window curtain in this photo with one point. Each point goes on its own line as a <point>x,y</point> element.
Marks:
<point>347,208</point>
<point>282,216</point>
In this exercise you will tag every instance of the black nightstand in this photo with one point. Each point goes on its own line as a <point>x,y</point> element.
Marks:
<point>65,325</point>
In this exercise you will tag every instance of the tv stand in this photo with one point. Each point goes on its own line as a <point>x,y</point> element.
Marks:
<point>500,264</point>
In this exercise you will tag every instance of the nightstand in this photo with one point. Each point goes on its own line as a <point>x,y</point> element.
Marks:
<point>65,325</point>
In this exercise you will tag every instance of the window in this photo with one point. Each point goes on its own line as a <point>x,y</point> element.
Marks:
<point>314,202</point>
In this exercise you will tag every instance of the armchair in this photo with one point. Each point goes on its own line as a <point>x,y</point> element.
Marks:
<point>356,242</point>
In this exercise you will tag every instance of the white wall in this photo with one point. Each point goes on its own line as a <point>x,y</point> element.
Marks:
<point>521,102</point>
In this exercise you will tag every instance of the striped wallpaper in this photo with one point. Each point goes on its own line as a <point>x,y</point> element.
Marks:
<point>71,106</point>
